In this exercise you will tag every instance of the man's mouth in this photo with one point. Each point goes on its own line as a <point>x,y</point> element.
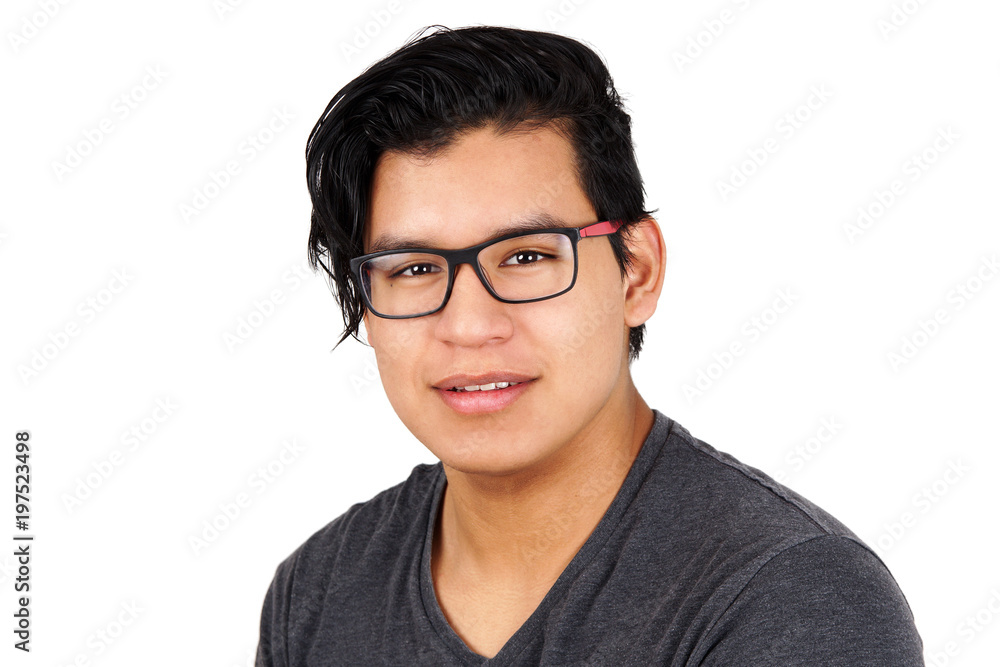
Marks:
<point>490,386</point>
<point>479,393</point>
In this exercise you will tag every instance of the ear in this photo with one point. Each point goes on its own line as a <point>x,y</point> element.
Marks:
<point>644,279</point>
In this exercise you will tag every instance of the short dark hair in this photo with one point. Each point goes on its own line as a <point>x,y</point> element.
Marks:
<point>420,98</point>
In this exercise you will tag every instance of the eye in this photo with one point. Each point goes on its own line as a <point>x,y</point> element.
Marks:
<point>416,270</point>
<point>522,257</point>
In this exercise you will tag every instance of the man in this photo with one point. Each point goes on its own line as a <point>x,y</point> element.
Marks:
<point>478,206</point>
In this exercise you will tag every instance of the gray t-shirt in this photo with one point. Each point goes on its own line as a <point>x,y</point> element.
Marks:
<point>699,560</point>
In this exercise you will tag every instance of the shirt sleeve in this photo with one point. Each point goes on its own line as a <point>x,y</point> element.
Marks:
<point>272,647</point>
<point>826,601</point>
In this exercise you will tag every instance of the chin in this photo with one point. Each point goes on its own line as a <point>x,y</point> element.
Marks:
<point>506,442</point>
<point>491,456</point>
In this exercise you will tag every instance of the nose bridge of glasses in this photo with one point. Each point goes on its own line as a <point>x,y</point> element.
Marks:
<point>470,256</point>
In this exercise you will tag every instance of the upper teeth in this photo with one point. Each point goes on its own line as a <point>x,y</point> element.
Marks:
<point>486,387</point>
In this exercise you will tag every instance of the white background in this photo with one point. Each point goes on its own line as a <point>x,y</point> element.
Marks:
<point>190,283</point>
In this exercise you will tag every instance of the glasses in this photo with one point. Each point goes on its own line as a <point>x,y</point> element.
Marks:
<point>516,268</point>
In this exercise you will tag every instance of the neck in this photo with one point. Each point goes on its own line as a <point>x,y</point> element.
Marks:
<point>527,527</point>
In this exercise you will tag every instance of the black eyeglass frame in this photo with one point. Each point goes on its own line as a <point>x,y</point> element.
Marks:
<point>470,255</point>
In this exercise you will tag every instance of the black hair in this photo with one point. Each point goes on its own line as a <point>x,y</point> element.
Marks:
<point>419,99</point>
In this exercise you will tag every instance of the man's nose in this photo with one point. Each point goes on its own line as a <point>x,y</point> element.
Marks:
<point>472,316</point>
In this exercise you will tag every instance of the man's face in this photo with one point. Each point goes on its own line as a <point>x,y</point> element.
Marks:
<point>568,354</point>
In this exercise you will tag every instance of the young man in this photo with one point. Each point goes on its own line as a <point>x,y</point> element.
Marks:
<point>478,205</point>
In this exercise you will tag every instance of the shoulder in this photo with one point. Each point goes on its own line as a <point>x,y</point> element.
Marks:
<point>826,600</point>
<point>724,486</point>
<point>365,525</point>
<point>345,552</point>
<point>368,535</point>
<point>788,582</point>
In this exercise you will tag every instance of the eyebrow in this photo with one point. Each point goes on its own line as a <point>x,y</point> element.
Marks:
<point>528,223</point>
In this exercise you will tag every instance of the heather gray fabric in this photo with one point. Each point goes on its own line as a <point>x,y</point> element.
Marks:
<point>699,560</point>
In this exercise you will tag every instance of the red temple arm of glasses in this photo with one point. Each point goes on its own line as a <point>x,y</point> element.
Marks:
<point>601,228</point>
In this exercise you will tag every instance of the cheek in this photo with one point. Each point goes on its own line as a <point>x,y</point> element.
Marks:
<point>583,331</point>
<point>395,354</point>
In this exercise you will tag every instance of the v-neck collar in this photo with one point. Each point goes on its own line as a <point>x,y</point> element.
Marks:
<point>529,629</point>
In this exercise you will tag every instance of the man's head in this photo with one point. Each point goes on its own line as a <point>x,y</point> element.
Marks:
<point>448,144</point>
<point>419,99</point>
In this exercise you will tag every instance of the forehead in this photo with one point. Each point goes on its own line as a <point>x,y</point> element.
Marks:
<point>480,183</point>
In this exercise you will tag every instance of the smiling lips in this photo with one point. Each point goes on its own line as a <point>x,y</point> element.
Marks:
<point>490,386</point>
<point>470,395</point>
